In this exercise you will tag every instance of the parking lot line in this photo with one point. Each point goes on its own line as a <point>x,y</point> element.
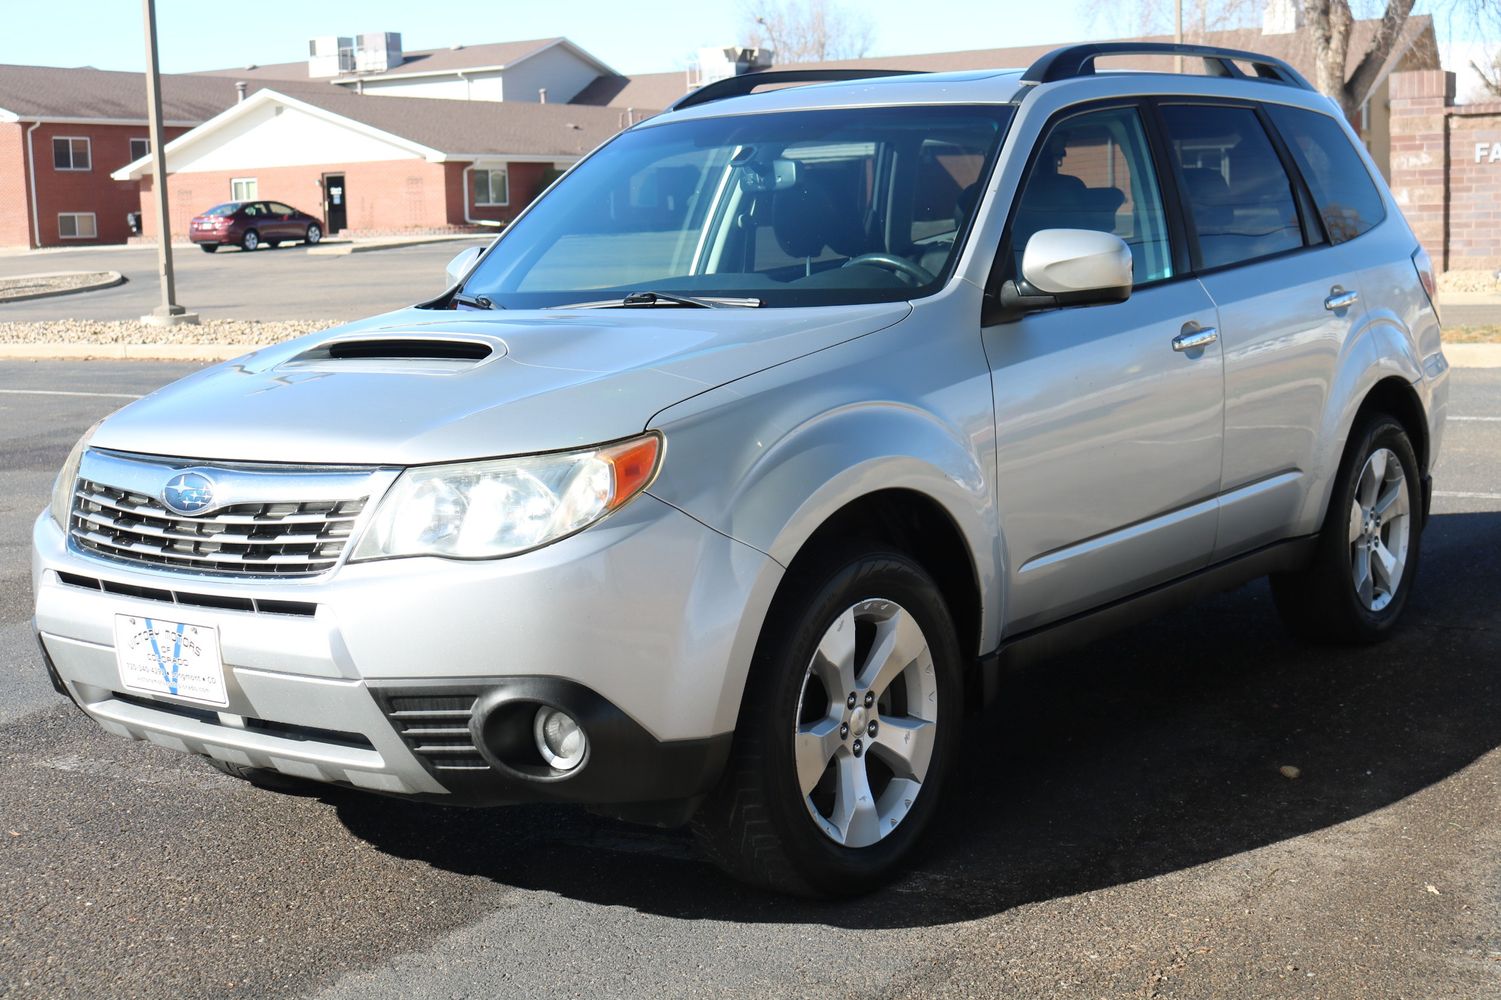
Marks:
<point>1490,420</point>
<point>65,392</point>
<point>1466,495</point>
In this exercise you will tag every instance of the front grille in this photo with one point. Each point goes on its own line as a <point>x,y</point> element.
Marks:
<point>436,728</point>
<point>255,605</point>
<point>244,539</point>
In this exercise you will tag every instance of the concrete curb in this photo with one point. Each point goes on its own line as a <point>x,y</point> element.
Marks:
<point>125,352</point>
<point>1473,355</point>
<point>1469,299</point>
<point>112,279</point>
<point>340,249</point>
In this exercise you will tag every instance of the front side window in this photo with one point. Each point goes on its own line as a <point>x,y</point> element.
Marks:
<point>492,187</point>
<point>788,208</point>
<point>243,188</point>
<point>1094,171</point>
<point>1239,197</point>
<point>1347,198</point>
<point>77,226</point>
<point>71,154</point>
<point>277,208</point>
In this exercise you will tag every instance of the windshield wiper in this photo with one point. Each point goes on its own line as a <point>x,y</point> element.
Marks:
<point>473,301</point>
<point>638,300</point>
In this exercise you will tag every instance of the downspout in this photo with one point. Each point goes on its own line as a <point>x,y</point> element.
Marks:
<point>468,217</point>
<point>36,219</point>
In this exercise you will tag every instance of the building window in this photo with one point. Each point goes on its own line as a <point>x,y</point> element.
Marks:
<point>139,148</point>
<point>69,153</point>
<point>243,189</point>
<point>492,187</point>
<point>76,226</point>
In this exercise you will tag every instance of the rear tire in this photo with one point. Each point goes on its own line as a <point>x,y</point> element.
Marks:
<point>265,778</point>
<point>208,247</point>
<point>827,791</point>
<point>273,244</point>
<point>250,240</point>
<point>1366,558</point>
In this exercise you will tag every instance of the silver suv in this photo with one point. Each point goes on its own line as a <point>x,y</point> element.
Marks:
<point>725,483</point>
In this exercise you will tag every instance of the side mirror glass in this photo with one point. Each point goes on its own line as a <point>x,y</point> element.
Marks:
<point>1067,267</point>
<point>461,263</point>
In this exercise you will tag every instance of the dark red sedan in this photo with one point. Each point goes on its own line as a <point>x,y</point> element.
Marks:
<point>248,224</point>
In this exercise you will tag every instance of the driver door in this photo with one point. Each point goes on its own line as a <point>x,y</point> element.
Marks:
<point>1109,438</point>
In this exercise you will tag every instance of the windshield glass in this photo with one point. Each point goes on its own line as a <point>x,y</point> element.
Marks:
<point>228,208</point>
<point>793,208</point>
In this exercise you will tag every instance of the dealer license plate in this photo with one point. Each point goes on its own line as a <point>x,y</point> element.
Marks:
<point>156,656</point>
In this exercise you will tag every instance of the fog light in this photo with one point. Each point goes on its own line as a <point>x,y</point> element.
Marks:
<point>560,741</point>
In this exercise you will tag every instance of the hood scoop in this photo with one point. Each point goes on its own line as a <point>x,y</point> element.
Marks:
<point>403,353</point>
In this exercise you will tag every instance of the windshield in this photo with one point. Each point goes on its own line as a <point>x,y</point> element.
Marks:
<point>228,208</point>
<point>793,208</point>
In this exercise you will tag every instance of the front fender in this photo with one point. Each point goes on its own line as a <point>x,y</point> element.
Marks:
<point>769,460</point>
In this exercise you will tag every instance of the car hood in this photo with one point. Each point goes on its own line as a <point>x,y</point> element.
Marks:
<point>364,393</point>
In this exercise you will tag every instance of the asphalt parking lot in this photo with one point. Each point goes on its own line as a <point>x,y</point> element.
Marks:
<point>1119,826</point>
<point>284,283</point>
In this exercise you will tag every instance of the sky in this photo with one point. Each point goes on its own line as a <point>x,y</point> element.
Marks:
<point>633,36</point>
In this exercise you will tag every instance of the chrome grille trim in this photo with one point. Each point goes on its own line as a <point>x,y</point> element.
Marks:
<point>268,521</point>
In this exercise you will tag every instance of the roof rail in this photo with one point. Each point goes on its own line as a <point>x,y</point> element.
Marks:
<point>1078,60</point>
<point>739,86</point>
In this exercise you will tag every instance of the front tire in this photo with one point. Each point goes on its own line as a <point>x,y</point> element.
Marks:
<point>314,235</point>
<point>849,725</point>
<point>1366,557</point>
<point>250,240</point>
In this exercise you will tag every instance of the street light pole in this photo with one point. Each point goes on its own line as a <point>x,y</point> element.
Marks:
<point>1178,31</point>
<point>169,312</point>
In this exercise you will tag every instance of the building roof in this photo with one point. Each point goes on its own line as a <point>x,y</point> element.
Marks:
<point>58,93</point>
<point>659,90</point>
<point>436,129</point>
<point>449,60</point>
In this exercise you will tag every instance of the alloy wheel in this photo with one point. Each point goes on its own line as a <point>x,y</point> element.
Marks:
<point>1380,529</point>
<point>867,721</point>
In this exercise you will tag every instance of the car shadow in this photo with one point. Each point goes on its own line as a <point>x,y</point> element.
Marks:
<point>1149,752</point>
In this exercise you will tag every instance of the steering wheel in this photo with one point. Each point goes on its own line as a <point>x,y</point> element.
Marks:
<point>901,265</point>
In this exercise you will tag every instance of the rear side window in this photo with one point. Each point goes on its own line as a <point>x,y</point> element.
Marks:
<point>1348,200</point>
<point>1239,196</point>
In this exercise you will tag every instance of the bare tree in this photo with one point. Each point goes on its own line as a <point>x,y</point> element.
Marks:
<point>806,30</point>
<point>1490,76</point>
<point>1329,23</point>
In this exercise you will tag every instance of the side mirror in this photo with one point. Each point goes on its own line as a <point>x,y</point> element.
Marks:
<point>1067,267</point>
<point>462,261</point>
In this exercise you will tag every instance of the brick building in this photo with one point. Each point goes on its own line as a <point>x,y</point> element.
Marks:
<point>373,164</point>
<point>1446,170</point>
<point>62,131</point>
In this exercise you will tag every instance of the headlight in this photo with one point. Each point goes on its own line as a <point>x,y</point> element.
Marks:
<point>481,510</point>
<point>67,479</point>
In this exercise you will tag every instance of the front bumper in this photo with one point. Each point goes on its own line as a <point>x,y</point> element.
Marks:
<point>641,627</point>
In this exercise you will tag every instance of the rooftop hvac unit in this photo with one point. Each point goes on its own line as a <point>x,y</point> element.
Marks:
<point>330,55</point>
<point>377,51</point>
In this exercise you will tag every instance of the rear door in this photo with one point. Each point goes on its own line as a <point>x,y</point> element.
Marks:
<point>1108,438</point>
<point>1287,301</point>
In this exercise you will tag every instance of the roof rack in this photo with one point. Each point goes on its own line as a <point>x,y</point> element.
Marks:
<point>739,86</point>
<point>1078,60</point>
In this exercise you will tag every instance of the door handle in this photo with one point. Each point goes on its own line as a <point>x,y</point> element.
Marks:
<point>1193,340</point>
<point>1340,299</point>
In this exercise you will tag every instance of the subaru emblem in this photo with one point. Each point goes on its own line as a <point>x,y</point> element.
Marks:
<point>189,493</point>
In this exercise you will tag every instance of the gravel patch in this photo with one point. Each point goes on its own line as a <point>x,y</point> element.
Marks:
<point>209,331</point>
<point>1470,281</point>
<point>32,285</point>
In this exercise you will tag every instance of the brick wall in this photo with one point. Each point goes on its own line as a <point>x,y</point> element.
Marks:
<point>1475,186</point>
<point>15,211</point>
<point>1451,198</point>
<point>59,191</point>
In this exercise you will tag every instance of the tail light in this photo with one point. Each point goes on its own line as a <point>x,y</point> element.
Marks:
<point>1424,265</point>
